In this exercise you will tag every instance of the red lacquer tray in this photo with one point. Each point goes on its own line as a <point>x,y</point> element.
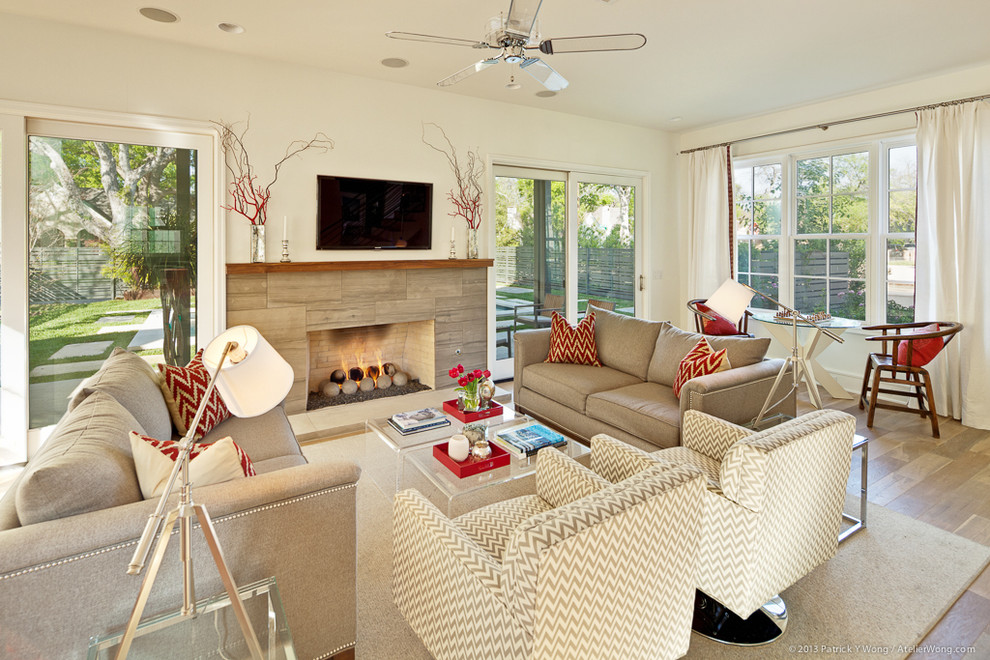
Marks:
<point>470,465</point>
<point>494,409</point>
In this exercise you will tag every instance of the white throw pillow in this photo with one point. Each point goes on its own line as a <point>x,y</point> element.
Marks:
<point>220,461</point>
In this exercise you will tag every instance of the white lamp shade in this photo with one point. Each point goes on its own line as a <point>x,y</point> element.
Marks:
<point>255,384</point>
<point>730,300</point>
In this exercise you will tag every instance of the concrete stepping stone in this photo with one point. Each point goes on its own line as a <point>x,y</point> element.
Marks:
<point>66,368</point>
<point>117,320</point>
<point>84,349</point>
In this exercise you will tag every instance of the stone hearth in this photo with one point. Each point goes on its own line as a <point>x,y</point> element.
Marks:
<point>288,301</point>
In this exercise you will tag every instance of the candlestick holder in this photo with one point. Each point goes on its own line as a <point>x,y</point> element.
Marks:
<point>285,251</point>
<point>453,250</point>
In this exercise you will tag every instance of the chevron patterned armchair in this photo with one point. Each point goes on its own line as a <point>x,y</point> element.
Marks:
<point>771,514</point>
<point>585,568</point>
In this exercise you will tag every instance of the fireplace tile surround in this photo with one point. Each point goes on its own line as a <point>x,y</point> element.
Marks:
<point>286,302</point>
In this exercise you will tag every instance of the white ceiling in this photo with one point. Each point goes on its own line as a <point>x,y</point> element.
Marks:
<point>706,61</point>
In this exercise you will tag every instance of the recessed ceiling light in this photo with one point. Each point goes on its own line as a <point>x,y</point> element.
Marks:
<point>674,119</point>
<point>546,94</point>
<point>394,62</point>
<point>159,15</point>
<point>231,28</point>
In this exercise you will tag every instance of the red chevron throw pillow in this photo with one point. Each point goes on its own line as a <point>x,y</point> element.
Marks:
<point>184,388</point>
<point>573,344</point>
<point>700,361</point>
<point>219,461</point>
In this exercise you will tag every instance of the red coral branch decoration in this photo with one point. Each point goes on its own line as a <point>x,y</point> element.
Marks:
<point>250,198</point>
<point>467,197</point>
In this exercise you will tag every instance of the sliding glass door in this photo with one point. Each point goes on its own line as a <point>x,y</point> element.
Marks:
<point>530,253</point>
<point>112,259</point>
<point>563,240</point>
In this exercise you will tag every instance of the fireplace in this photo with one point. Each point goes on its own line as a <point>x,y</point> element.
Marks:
<point>402,352</point>
<point>437,310</point>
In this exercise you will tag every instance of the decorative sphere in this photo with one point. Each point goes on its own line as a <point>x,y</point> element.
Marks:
<point>330,388</point>
<point>322,386</point>
<point>383,381</point>
<point>349,387</point>
<point>338,376</point>
<point>389,369</point>
<point>372,371</point>
<point>400,378</point>
<point>356,374</point>
<point>367,384</point>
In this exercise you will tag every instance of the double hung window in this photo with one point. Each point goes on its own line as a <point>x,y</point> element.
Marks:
<point>830,231</point>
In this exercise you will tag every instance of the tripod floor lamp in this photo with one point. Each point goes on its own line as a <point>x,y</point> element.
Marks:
<point>252,378</point>
<point>731,299</point>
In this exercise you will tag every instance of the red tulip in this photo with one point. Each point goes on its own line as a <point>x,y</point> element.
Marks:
<point>476,373</point>
<point>452,373</point>
<point>460,368</point>
<point>462,381</point>
<point>487,373</point>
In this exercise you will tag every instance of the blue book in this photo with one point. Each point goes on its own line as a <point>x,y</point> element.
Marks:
<point>527,440</point>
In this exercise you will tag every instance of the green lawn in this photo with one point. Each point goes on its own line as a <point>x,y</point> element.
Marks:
<point>56,325</point>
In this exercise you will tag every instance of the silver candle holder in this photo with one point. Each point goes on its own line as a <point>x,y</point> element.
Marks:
<point>285,251</point>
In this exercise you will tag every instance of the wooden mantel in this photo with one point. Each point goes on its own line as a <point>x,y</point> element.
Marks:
<point>322,266</point>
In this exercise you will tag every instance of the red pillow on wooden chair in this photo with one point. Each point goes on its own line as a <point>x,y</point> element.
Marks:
<point>924,351</point>
<point>719,326</point>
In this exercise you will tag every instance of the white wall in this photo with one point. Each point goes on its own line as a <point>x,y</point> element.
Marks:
<point>847,361</point>
<point>376,127</point>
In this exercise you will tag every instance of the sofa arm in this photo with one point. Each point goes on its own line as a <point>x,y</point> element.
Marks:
<point>532,346</point>
<point>561,480</point>
<point>710,435</point>
<point>297,524</point>
<point>615,460</point>
<point>737,395</point>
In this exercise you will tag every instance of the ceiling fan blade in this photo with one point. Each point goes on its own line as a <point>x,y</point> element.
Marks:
<point>593,44</point>
<point>544,73</point>
<point>432,39</point>
<point>522,16</point>
<point>467,71</point>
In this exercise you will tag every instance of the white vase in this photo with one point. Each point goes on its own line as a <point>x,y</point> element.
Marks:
<point>472,247</point>
<point>458,447</point>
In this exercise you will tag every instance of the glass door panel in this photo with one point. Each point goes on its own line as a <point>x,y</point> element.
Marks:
<point>606,259</point>
<point>530,256</point>
<point>112,260</point>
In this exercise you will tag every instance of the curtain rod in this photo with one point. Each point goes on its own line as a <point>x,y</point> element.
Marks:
<point>825,126</point>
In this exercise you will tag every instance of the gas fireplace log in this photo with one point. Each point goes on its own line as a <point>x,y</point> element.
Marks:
<point>400,378</point>
<point>349,387</point>
<point>383,381</point>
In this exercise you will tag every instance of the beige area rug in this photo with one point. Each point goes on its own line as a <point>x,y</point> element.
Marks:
<point>887,586</point>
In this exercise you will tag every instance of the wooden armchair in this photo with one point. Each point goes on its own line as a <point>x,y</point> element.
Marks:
<point>705,327</point>
<point>911,346</point>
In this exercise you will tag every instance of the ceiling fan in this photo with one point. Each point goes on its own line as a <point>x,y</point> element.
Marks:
<point>512,38</point>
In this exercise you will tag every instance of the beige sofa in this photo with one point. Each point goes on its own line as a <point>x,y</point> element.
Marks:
<point>72,519</point>
<point>630,397</point>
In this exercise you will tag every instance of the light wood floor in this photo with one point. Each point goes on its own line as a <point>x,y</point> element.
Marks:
<point>944,482</point>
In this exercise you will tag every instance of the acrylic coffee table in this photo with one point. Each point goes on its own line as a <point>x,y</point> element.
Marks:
<point>454,496</point>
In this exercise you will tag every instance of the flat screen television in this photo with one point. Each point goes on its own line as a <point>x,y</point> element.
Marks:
<point>365,214</point>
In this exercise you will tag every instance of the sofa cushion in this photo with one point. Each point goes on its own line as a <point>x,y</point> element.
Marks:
<point>573,344</point>
<point>134,384</point>
<point>673,344</point>
<point>183,389</point>
<point>84,466</point>
<point>263,437</point>
<point>647,410</point>
<point>570,384</point>
<point>214,463</point>
<point>624,342</point>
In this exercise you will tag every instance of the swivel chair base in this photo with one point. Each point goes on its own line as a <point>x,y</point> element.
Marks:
<point>715,621</point>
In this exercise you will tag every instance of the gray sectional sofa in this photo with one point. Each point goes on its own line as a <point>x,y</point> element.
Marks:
<point>630,397</point>
<point>69,525</point>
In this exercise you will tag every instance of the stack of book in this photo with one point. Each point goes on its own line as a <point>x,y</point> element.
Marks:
<point>415,421</point>
<point>526,440</point>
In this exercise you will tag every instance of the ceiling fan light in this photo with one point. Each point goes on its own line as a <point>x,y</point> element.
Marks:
<point>512,84</point>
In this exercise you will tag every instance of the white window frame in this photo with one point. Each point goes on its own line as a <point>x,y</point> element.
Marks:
<point>19,120</point>
<point>878,202</point>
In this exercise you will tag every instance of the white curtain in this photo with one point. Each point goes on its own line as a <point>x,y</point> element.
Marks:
<point>708,220</point>
<point>953,273</point>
